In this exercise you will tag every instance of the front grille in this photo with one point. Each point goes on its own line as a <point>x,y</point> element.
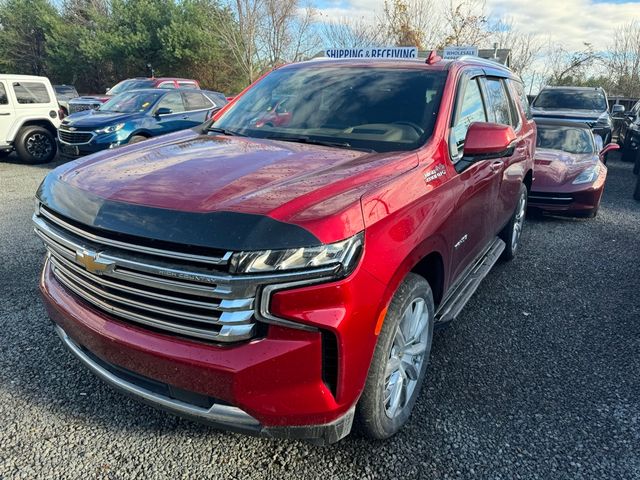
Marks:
<point>74,137</point>
<point>178,292</point>
<point>550,198</point>
<point>80,107</point>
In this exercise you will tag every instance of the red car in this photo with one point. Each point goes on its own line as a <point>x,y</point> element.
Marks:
<point>91,102</point>
<point>569,169</point>
<point>281,280</point>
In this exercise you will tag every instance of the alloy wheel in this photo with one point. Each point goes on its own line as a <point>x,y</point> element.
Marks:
<point>409,351</point>
<point>38,146</point>
<point>518,222</point>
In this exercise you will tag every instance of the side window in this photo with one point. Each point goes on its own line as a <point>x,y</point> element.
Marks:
<point>471,110</point>
<point>31,92</point>
<point>522,98</point>
<point>499,108</point>
<point>173,101</point>
<point>3,95</point>
<point>167,85</point>
<point>196,101</point>
<point>187,85</point>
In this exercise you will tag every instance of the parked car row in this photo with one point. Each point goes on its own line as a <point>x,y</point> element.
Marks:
<point>37,119</point>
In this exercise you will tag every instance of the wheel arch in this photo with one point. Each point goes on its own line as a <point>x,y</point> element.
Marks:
<point>528,180</point>
<point>38,123</point>
<point>431,268</point>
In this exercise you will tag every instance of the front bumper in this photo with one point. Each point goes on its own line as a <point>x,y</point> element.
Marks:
<point>217,415</point>
<point>580,200</point>
<point>274,385</point>
<point>80,150</point>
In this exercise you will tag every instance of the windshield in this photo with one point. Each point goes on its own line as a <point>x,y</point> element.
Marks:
<point>380,109</point>
<point>571,100</point>
<point>125,85</point>
<point>131,102</point>
<point>567,139</point>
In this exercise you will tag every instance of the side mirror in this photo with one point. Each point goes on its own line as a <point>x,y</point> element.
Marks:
<point>163,111</point>
<point>609,148</point>
<point>617,110</point>
<point>488,140</point>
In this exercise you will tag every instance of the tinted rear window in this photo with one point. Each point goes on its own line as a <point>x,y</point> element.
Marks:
<point>31,92</point>
<point>571,100</point>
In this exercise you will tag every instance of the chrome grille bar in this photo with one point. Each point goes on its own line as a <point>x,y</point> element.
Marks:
<point>177,292</point>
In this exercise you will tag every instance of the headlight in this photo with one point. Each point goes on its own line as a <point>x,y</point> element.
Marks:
<point>344,253</point>
<point>111,128</point>
<point>588,176</point>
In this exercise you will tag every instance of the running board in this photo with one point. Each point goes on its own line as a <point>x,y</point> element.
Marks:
<point>455,301</point>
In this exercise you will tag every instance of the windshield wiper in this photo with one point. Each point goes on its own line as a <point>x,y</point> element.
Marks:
<point>313,141</point>
<point>224,131</point>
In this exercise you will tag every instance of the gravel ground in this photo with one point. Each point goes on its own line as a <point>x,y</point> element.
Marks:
<point>538,378</point>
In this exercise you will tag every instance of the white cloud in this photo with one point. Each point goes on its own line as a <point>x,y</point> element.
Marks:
<point>570,22</point>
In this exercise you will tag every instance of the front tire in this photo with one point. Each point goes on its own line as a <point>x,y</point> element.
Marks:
<point>399,361</point>
<point>513,230</point>
<point>35,145</point>
<point>137,139</point>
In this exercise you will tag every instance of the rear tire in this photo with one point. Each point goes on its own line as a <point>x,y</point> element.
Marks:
<point>513,230</point>
<point>35,145</point>
<point>636,193</point>
<point>399,361</point>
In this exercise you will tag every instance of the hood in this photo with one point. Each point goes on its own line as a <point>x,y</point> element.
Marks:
<point>90,119</point>
<point>317,188</point>
<point>567,114</point>
<point>556,167</point>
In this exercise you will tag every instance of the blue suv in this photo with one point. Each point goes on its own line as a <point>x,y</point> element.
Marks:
<point>134,116</point>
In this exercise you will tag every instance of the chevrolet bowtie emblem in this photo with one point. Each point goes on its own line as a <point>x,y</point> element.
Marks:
<point>92,262</point>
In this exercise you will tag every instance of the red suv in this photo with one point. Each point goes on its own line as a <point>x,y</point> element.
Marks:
<point>284,279</point>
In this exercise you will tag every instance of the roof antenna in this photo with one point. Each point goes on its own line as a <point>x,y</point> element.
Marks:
<point>433,58</point>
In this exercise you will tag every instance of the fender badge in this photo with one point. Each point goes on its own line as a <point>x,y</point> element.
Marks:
<point>435,173</point>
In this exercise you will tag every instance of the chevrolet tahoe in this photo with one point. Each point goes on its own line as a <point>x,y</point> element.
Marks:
<point>286,279</point>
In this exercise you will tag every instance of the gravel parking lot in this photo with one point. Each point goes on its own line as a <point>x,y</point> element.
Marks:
<point>538,378</point>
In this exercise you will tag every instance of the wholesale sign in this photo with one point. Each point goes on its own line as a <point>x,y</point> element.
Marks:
<point>390,52</point>
<point>452,53</point>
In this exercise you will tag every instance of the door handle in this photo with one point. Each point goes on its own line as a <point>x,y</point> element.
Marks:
<point>4,114</point>
<point>495,166</point>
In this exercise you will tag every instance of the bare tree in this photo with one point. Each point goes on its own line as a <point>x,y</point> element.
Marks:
<point>349,32</point>
<point>411,23</point>
<point>466,22</point>
<point>266,33</point>
<point>623,60</point>
<point>286,34</point>
<point>565,67</point>
<point>241,35</point>
<point>524,47</point>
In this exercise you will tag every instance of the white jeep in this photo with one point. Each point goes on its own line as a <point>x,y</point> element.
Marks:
<point>29,118</point>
